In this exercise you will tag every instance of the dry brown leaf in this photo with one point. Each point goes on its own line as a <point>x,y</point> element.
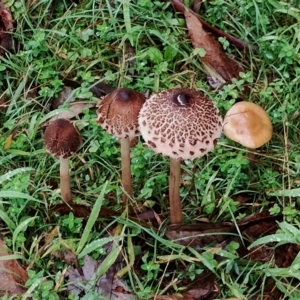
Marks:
<point>13,276</point>
<point>217,64</point>
<point>198,235</point>
<point>6,26</point>
<point>74,110</point>
<point>108,285</point>
<point>65,94</point>
<point>203,287</point>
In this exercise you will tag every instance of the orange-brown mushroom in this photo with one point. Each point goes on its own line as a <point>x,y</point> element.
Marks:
<point>248,124</point>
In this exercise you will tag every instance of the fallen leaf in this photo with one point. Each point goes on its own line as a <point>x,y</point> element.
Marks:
<point>203,287</point>
<point>48,238</point>
<point>68,256</point>
<point>6,26</point>
<point>199,235</point>
<point>13,276</point>
<point>196,5</point>
<point>108,285</point>
<point>97,89</point>
<point>179,7</point>
<point>81,211</point>
<point>73,110</point>
<point>8,142</point>
<point>63,96</point>
<point>218,65</point>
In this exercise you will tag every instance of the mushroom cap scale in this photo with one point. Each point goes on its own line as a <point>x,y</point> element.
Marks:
<point>248,124</point>
<point>118,112</point>
<point>180,123</point>
<point>62,138</point>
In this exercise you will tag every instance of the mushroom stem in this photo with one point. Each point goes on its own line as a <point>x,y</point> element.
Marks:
<point>126,170</point>
<point>174,196</point>
<point>65,188</point>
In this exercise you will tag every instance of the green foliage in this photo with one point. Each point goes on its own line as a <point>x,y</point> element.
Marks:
<point>39,287</point>
<point>88,42</point>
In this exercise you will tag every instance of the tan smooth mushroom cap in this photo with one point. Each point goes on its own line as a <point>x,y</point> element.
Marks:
<point>118,112</point>
<point>180,123</point>
<point>61,138</point>
<point>248,124</point>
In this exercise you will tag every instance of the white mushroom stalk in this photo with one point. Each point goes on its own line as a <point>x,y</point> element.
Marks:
<point>182,124</point>
<point>118,115</point>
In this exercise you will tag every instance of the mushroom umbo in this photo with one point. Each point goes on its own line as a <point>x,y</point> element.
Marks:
<point>61,140</point>
<point>182,124</point>
<point>118,115</point>
<point>248,124</point>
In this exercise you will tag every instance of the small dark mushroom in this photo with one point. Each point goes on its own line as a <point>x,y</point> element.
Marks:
<point>61,140</point>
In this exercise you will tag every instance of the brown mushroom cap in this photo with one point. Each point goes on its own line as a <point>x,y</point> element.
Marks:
<point>248,124</point>
<point>180,123</point>
<point>61,138</point>
<point>118,112</point>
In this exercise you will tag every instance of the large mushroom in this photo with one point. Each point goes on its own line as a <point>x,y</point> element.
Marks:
<point>61,140</point>
<point>118,115</point>
<point>182,124</point>
<point>248,124</point>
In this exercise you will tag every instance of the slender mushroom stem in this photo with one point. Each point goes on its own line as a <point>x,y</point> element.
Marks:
<point>65,187</point>
<point>126,170</point>
<point>174,183</point>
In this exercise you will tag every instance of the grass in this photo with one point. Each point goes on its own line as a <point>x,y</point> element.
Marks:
<point>144,45</point>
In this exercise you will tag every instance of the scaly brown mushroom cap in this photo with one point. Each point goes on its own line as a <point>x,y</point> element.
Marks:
<point>118,112</point>
<point>248,124</point>
<point>180,123</point>
<point>62,139</point>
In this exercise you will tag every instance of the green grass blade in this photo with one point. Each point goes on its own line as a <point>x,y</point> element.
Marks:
<point>11,257</point>
<point>13,194</point>
<point>15,97</point>
<point>12,173</point>
<point>108,261</point>
<point>21,227</point>
<point>95,245</point>
<point>127,21</point>
<point>286,193</point>
<point>5,218</point>
<point>92,219</point>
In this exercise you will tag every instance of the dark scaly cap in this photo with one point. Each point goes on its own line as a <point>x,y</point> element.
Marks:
<point>118,112</point>
<point>62,139</point>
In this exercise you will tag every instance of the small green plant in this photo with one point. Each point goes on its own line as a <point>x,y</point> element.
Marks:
<point>71,223</point>
<point>150,267</point>
<point>40,287</point>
